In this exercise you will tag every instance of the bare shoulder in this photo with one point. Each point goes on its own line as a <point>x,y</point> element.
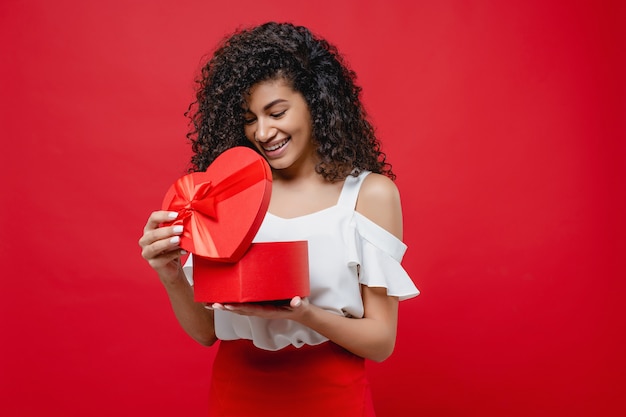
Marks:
<point>379,201</point>
<point>377,189</point>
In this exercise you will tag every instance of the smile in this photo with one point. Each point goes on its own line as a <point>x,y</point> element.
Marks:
<point>276,146</point>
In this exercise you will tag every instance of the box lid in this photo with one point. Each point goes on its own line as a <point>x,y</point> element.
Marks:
<point>222,209</point>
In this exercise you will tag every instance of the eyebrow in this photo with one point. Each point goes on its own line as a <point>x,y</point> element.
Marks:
<point>278,100</point>
<point>270,104</point>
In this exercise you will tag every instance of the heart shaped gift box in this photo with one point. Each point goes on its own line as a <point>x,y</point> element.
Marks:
<point>221,211</point>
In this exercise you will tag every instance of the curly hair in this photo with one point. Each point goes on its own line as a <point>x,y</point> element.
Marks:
<point>345,139</point>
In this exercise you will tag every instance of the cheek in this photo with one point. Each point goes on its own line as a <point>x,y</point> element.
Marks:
<point>306,125</point>
<point>300,127</point>
<point>306,130</point>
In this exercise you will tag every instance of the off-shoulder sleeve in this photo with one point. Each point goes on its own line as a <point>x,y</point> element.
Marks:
<point>378,255</point>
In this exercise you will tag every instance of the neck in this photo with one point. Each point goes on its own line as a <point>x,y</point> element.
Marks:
<point>302,171</point>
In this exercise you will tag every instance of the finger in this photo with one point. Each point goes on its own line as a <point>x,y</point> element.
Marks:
<point>166,232</point>
<point>165,258</point>
<point>158,217</point>
<point>161,246</point>
<point>295,302</point>
<point>169,233</point>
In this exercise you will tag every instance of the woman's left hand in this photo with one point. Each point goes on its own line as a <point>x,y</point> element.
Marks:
<point>296,306</point>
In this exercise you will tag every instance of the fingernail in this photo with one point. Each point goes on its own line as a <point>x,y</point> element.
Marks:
<point>178,229</point>
<point>175,239</point>
<point>208,307</point>
<point>172,214</point>
<point>298,303</point>
<point>183,252</point>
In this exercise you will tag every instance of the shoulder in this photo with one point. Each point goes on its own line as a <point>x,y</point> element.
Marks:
<point>376,186</point>
<point>379,201</point>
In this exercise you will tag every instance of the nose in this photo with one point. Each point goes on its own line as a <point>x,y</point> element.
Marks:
<point>264,131</point>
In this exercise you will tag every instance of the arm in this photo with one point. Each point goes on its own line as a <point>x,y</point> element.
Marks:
<point>373,336</point>
<point>160,248</point>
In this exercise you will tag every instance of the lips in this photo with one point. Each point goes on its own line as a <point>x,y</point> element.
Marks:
<point>276,146</point>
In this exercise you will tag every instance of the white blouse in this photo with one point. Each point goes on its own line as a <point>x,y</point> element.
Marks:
<point>346,250</point>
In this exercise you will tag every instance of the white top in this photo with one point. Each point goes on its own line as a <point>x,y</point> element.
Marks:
<point>339,240</point>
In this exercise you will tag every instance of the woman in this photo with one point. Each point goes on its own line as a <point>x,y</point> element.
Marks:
<point>288,94</point>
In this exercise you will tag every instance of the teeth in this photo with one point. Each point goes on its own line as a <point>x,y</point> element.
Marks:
<point>277,146</point>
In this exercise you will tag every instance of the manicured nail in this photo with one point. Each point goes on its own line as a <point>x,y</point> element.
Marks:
<point>175,239</point>
<point>172,214</point>
<point>298,303</point>
<point>178,229</point>
<point>183,252</point>
<point>208,307</point>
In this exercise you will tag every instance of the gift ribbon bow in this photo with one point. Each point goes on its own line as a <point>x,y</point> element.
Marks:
<point>197,202</point>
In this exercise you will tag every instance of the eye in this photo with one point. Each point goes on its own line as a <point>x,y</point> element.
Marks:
<point>249,120</point>
<point>279,114</point>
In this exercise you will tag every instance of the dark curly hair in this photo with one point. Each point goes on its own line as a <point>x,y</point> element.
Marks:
<point>346,140</point>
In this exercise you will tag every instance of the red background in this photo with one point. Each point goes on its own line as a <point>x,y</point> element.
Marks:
<point>505,125</point>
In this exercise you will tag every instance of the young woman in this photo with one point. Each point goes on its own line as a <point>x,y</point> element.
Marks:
<point>289,95</point>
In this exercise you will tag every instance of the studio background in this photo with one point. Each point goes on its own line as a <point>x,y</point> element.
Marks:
<point>504,122</point>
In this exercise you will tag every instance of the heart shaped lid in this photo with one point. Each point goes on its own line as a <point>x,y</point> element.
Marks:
<point>222,209</point>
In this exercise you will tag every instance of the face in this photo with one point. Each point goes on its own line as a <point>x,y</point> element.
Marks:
<point>278,124</point>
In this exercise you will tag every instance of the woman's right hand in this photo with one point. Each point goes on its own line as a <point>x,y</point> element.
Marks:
<point>160,245</point>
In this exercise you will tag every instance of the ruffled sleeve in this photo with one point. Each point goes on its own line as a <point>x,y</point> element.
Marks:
<point>378,255</point>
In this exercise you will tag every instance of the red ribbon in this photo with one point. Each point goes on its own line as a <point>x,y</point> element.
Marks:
<point>195,203</point>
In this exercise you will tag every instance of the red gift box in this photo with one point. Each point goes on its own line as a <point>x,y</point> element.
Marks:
<point>221,211</point>
<point>267,272</point>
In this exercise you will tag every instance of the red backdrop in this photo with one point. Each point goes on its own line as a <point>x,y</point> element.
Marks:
<point>505,125</point>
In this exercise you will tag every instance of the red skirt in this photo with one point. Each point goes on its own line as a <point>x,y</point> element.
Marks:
<point>321,381</point>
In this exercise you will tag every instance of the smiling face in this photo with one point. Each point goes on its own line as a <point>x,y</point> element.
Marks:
<point>278,124</point>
